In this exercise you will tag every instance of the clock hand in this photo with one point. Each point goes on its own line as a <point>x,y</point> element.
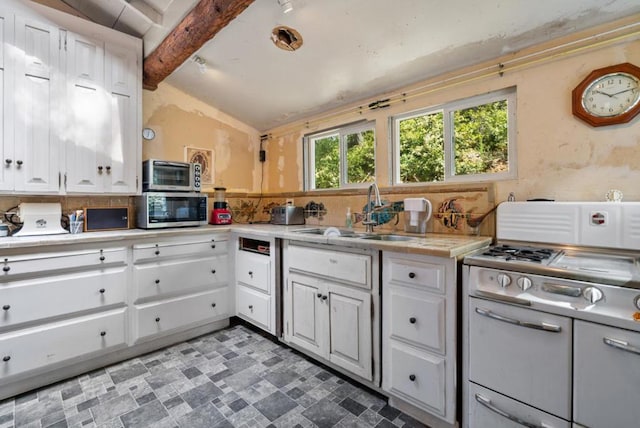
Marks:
<point>603,93</point>
<point>622,92</point>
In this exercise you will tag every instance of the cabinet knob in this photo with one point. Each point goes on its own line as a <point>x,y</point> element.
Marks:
<point>157,252</point>
<point>102,291</point>
<point>103,333</point>
<point>412,275</point>
<point>251,308</point>
<point>325,297</point>
<point>108,169</point>
<point>99,168</point>
<point>19,162</point>
<point>157,281</point>
<point>102,258</point>
<point>412,377</point>
<point>6,358</point>
<point>319,295</point>
<point>8,161</point>
<point>412,320</point>
<point>158,319</point>
<point>213,305</point>
<point>251,274</point>
<point>213,271</point>
<point>6,268</point>
<point>213,245</point>
<point>6,307</point>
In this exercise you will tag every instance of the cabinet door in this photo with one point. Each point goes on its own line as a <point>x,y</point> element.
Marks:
<point>86,136</point>
<point>306,313</point>
<point>350,329</point>
<point>6,106</point>
<point>37,109</point>
<point>606,375</point>
<point>123,142</point>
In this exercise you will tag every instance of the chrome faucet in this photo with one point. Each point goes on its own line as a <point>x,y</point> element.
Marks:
<point>377,203</point>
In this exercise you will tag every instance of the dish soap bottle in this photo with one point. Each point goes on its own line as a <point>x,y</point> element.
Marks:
<point>349,222</point>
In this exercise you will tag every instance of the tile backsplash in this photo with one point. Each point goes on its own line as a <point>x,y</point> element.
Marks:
<point>456,209</point>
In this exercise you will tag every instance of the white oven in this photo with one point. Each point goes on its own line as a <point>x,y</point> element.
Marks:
<point>551,332</point>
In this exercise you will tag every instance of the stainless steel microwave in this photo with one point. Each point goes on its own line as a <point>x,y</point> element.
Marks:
<point>167,209</point>
<point>169,176</point>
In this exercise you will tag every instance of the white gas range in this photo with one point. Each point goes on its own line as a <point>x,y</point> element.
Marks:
<point>551,329</point>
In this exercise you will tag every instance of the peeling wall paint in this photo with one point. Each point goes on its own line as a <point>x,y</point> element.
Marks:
<point>181,120</point>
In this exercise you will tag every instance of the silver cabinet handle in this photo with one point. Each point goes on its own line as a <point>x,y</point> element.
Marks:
<point>542,326</point>
<point>565,290</point>
<point>621,344</point>
<point>487,403</point>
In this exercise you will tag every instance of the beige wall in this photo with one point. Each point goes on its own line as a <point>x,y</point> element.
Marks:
<point>180,120</point>
<point>559,156</point>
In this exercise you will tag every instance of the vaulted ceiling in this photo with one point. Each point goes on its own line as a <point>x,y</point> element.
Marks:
<point>352,49</point>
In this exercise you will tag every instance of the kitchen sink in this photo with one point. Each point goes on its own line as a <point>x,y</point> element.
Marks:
<point>387,237</point>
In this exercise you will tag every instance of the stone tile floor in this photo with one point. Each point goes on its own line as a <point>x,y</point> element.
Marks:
<point>230,378</point>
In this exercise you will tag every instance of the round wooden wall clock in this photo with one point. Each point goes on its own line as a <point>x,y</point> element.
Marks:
<point>608,96</point>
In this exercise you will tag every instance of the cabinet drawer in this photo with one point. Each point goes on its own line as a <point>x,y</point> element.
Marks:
<point>39,347</point>
<point>342,266</point>
<point>254,306</point>
<point>253,270</point>
<point>485,404</point>
<point>31,300</point>
<point>164,278</point>
<point>417,274</point>
<point>42,263</point>
<point>418,318</point>
<point>419,378</point>
<point>169,249</point>
<point>183,312</point>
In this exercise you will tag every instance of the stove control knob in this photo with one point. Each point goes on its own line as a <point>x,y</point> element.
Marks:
<point>504,280</point>
<point>524,283</point>
<point>592,294</point>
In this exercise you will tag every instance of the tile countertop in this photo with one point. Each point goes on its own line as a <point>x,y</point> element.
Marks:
<point>441,245</point>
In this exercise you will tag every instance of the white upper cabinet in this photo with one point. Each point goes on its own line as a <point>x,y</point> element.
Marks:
<point>37,110</point>
<point>6,106</point>
<point>71,105</point>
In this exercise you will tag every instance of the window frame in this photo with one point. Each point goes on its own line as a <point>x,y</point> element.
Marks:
<point>341,132</point>
<point>448,110</point>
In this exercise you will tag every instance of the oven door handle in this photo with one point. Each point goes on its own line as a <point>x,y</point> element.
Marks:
<point>621,344</point>
<point>542,326</point>
<point>487,403</point>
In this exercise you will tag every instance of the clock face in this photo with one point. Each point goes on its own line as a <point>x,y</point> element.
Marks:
<point>611,95</point>
<point>148,134</point>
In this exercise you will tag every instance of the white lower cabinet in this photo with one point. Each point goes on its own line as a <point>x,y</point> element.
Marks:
<point>36,348</point>
<point>329,314</point>
<point>419,332</point>
<point>179,283</point>
<point>168,316</point>
<point>255,281</point>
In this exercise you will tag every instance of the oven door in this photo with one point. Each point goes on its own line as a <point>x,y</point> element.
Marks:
<point>522,354</point>
<point>606,376</point>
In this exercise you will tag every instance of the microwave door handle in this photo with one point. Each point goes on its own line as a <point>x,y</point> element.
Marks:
<point>167,163</point>
<point>487,403</point>
<point>542,326</point>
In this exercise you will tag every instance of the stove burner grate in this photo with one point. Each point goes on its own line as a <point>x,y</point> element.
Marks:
<point>529,254</point>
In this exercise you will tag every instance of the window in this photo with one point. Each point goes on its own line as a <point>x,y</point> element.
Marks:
<point>468,140</point>
<point>341,157</point>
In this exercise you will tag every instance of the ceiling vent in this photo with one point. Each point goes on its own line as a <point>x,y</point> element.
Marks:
<point>286,38</point>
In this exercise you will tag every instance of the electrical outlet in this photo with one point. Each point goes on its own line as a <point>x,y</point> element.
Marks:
<point>289,201</point>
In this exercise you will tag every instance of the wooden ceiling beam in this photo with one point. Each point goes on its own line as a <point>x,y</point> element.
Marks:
<point>198,27</point>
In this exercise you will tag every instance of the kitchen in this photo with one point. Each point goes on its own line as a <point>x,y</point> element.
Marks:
<point>559,156</point>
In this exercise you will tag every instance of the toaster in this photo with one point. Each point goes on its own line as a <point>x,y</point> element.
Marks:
<point>287,214</point>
